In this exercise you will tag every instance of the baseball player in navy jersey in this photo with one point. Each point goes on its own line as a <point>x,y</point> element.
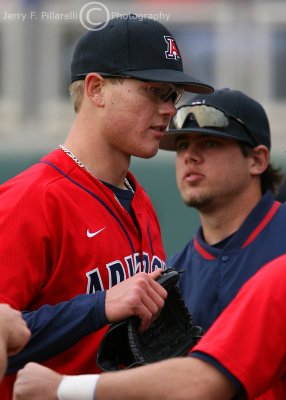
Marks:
<point>222,144</point>
<point>77,223</point>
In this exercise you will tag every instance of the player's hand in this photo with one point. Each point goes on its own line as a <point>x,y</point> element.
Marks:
<point>139,295</point>
<point>36,382</point>
<point>13,329</point>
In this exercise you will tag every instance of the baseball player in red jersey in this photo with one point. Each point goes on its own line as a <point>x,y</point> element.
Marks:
<point>243,355</point>
<point>77,223</point>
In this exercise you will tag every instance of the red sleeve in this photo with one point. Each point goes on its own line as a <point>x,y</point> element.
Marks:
<point>249,337</point>
<point>24,244</point>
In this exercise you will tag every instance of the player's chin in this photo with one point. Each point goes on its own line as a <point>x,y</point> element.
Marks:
<point>196,200</point>
<point>148,152</point>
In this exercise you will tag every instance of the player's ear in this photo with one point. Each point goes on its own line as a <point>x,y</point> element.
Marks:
<point>93,88</point>
<point>259,159</point>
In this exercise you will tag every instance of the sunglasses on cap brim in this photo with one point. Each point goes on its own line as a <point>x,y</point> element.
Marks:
<point>206,117</point>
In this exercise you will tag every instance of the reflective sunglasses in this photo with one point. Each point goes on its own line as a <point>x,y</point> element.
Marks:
<point>206,116</point>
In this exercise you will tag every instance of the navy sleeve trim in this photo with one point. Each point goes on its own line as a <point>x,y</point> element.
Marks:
<point>205,357</point>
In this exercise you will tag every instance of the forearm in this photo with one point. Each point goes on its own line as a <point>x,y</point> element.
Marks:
<point>181,378</point>
<point>3,357</point>
<point>56,328</point>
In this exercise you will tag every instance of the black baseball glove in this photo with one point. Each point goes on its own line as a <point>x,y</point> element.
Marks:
<point>171,335</point>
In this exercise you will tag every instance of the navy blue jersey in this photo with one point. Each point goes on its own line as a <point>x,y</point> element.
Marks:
<point>212,276</point>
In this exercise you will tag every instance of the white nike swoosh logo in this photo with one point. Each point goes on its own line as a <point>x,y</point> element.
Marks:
<point>92,234</point>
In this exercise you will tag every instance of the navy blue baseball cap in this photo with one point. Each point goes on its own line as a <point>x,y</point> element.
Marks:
<point>139,48</point>
<point>225,113</point>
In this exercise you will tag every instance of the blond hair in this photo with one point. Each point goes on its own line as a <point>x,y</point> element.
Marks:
<point>76,92</point>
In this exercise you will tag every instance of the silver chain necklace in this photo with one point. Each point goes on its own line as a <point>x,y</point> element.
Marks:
<point>73,157</point>
<point>81,165</point>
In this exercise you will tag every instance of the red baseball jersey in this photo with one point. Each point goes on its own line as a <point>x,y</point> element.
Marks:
<point>249,340</point>
<point>64,233</point>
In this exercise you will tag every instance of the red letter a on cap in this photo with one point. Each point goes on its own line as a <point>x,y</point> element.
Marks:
<point>172,51</point>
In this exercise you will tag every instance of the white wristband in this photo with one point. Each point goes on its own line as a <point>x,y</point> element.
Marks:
<point>77,387</point>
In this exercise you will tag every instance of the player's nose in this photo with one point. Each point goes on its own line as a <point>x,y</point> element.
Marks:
<point>168,108</point>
